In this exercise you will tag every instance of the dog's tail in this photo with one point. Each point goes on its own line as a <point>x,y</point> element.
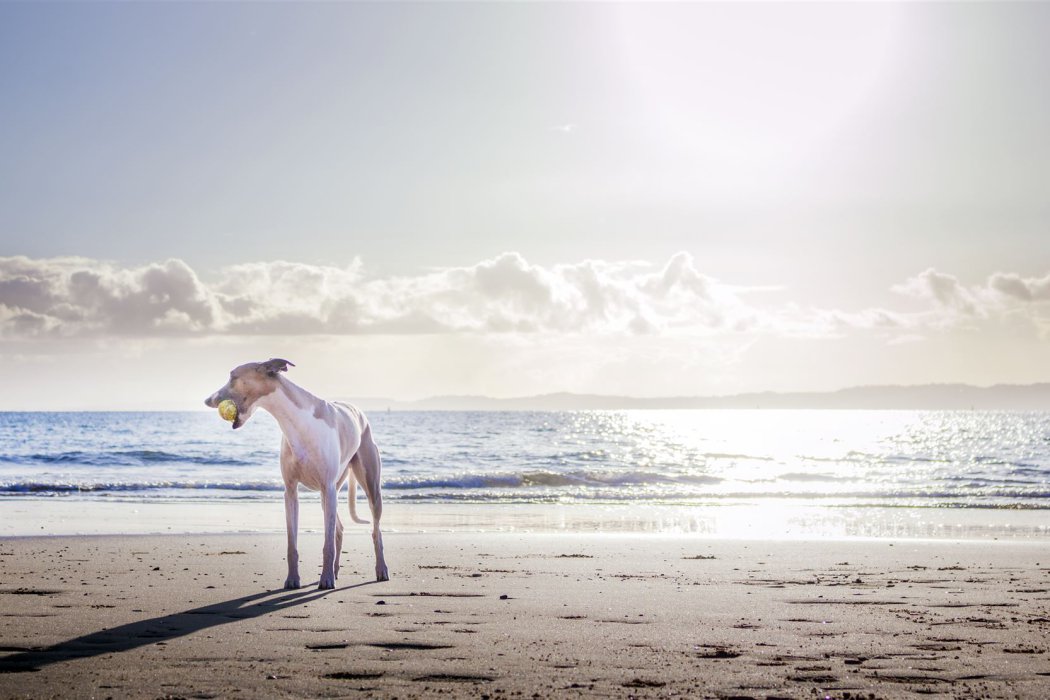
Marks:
<point>353,501</point>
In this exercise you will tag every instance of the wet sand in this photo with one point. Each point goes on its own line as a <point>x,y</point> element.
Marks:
<point>503,615</point>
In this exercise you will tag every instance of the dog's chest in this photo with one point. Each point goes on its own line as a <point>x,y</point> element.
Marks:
<point>315,444</point>
<point>309,441</point>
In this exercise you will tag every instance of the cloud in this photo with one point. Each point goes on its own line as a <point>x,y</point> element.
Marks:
<point>1017,287</point>
<point>75,296</point>
<point>286,297</point>
<point>78,297</point>
<point>509,294</point>
<point>943,290</point>
<point>68,296</point>
<point>1003,299</point>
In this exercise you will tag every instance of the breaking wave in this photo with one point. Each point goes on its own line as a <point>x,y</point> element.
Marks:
<point>122,458</point>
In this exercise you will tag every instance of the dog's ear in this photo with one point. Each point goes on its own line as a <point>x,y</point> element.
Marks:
<point>274,365</point>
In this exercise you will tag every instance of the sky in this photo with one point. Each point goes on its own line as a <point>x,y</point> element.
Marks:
<point>409,200</point>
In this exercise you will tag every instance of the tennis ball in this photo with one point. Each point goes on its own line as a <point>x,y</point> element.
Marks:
<point>228,410</point>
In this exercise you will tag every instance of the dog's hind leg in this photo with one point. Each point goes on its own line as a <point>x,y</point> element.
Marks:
<point>338,537</point>
<point>367,468</point>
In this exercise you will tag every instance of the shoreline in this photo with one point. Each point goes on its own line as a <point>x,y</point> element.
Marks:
<point>501,614</point>
<point>779,519</point>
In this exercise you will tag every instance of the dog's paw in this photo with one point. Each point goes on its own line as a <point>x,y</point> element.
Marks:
<point>291,583</point>
<point>382,574</point>
<point>326,582</point>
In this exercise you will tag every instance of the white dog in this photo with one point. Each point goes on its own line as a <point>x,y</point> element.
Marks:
<point>324,444</point>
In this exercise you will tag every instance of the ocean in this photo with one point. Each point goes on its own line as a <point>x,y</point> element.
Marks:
<point>710,458</point>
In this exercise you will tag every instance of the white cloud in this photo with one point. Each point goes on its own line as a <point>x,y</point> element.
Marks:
<point>1004,299</point>
<point>75,296</point>
<point>1017,287</point>
<point>507,293</point>
<point>63,297</point>
<point>943,290</point>
<point>68,296</point>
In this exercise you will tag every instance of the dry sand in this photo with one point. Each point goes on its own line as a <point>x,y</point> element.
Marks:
<point>503,615</point>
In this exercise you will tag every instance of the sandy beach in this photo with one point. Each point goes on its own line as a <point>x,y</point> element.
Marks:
<point>502,614</point>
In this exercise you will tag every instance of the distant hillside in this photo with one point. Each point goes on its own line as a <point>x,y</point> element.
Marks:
<point>1029,397</point>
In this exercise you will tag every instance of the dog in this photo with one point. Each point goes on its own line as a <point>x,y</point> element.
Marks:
<point>324,443</point>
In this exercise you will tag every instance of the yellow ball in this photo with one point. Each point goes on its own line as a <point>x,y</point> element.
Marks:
<point>228,410</point>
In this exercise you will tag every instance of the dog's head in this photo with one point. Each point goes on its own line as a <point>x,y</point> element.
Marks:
<point>249,383</point>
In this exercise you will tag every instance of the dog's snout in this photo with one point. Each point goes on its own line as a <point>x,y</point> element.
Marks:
<point>209,402</point>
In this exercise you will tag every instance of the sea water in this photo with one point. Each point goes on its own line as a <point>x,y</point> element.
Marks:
<point>914,459</point>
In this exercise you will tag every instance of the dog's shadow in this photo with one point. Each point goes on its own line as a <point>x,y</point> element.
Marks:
<point>161,629</point>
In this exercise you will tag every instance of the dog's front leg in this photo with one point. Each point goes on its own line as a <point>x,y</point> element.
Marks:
<point>328,499</point>
<point>291,515</point>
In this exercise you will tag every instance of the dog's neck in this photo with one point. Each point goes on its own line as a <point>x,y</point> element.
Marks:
<point>292,406</point>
